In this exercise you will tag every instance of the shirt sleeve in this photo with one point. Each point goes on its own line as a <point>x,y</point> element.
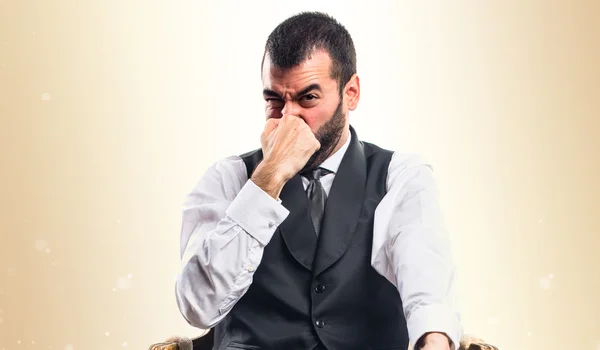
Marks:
<point>411,248</point>
<point>227,222</point>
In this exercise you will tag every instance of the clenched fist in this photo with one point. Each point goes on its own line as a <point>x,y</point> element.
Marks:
<point>287,144</point>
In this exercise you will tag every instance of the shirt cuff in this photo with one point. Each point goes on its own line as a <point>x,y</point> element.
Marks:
<point>434,318</point>
<point>256,212</point>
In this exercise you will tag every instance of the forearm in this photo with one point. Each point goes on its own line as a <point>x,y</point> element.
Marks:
<point>418,252</point>
<point>215,273</point>
<point>221,256</point>
<point>426,277</point>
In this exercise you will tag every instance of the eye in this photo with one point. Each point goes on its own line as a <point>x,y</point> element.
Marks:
<point>273,102</point>
<point>310,97</point>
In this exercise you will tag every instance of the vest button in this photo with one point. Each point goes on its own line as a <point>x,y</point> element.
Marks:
<point>320,288</point>
<point>320,323</point>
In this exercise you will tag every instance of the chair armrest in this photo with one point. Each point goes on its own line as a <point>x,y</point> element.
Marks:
<point>473,343</point>
<point>206,341</point>
<point>202,342</point>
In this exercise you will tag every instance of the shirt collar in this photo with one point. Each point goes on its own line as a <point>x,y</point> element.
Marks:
<point>333,162</point>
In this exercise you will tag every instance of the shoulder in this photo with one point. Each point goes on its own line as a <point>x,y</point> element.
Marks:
<point>223,179</point>
<point>400,162</point>
<point>235,165</point>
<point>404,162</point>
<point>227,167</point>
<point>372,150</point>
<point>403,168</point>
<point>410,170</point>
<point>252,159</point>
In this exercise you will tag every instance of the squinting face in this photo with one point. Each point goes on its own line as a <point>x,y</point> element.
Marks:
<point>308,92</point>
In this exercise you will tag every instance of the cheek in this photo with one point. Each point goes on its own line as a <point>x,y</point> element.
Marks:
<point>313,118</point>
<point>316,117</point>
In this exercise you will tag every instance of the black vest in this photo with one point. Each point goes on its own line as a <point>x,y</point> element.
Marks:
<point>311,292</point>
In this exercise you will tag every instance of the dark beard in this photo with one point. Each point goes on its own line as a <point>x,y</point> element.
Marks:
<point>328,135</point>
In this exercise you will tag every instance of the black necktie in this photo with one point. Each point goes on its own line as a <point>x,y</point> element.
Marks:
<point>316,196</point>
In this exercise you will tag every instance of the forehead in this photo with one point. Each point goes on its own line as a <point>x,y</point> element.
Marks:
<point>315,69</point>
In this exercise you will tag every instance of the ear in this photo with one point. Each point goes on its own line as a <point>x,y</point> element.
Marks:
<point>352,92</point>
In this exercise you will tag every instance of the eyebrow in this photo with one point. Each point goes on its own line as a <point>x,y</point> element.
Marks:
<point>311,87</point>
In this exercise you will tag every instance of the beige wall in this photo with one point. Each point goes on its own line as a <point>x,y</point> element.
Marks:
<point>111,111</point>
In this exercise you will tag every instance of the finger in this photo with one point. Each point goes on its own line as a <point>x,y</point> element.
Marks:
<point>303,125</point>
<point>291,118</point>
<point>272,124</point>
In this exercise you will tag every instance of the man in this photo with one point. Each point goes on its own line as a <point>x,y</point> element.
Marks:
<point>269,266</point>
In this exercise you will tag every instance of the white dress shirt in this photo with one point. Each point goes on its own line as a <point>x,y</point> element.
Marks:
<point>228,221</point>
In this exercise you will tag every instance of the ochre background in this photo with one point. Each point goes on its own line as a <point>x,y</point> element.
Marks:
<point>110,112</point>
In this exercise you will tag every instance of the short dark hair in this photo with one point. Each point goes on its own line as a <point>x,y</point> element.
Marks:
<point>296,38</point>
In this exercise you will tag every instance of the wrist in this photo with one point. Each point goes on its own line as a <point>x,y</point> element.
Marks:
<point>268,179</point>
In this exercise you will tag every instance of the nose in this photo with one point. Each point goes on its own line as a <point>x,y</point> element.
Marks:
<point>290,108</point>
